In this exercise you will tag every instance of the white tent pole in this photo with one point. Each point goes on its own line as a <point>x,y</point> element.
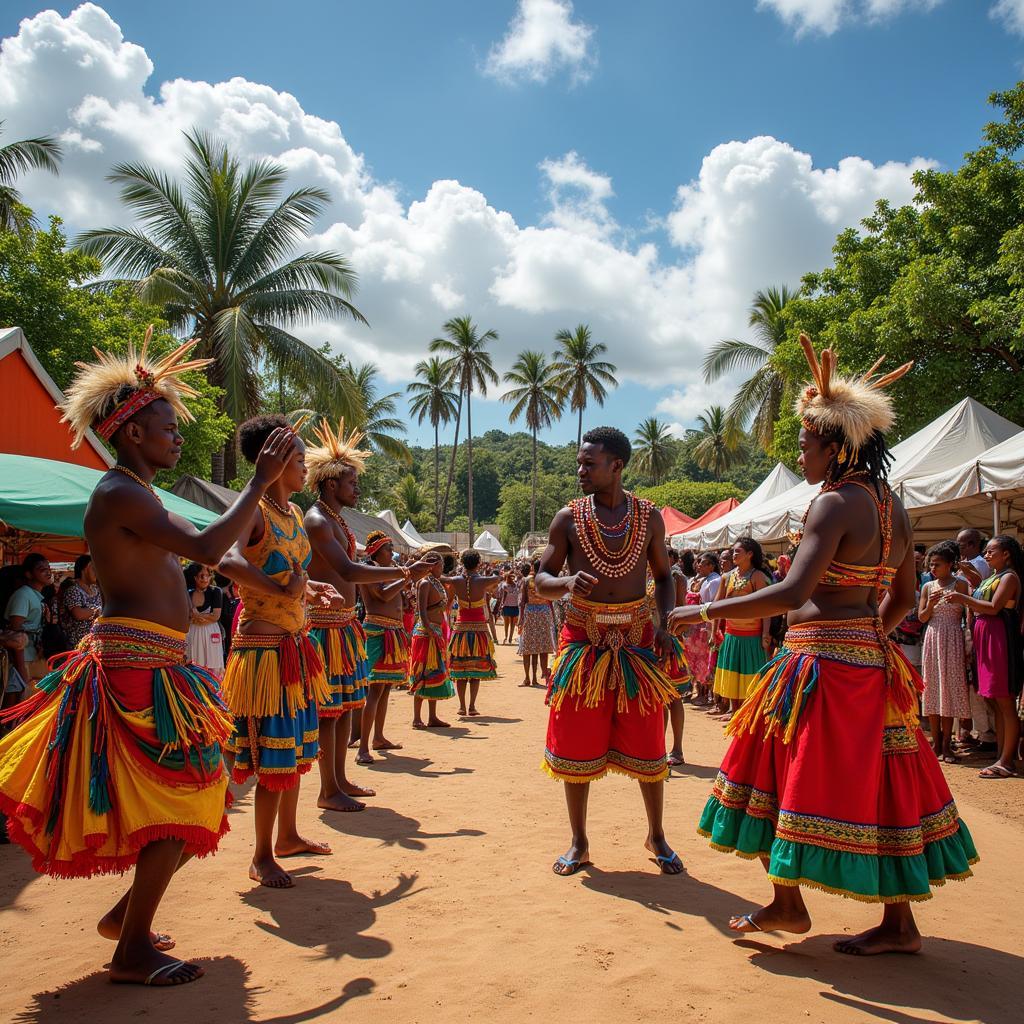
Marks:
<point>995,515</point>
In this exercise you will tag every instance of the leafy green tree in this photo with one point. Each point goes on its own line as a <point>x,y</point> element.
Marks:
<point>40,292</point>
<point>42,154</point>
<point>517,505</point>
<point>434,401</point>
<point>760,396</point>
<point>410,501</point>
<point>486,484</point>
<point>535,395</point>
<point>719,445</point>
<point>692,499</point>
<point>216,255</point>
<point>468,364</point>
<point>580,372</point>
<point>653,449</point>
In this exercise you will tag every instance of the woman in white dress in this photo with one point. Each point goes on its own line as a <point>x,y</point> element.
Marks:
<point>204,645</point>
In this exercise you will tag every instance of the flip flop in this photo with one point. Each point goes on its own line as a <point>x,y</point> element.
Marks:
<point>574,864</point>
<point>750,920</point>
<point>674,762</point>
<point>664,862</point>
<point>996,771</point>
<point>174,965</point>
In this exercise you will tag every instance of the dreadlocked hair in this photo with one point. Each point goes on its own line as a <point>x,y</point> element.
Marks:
<point>873,458</point>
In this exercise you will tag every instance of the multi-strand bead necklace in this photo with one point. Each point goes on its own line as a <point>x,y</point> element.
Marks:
<point>592,534</point>
<point>350,537</point>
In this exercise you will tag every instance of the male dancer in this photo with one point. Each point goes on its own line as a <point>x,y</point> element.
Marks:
<point>118,759</point>
<point>607,687</point>
<point>334,468</point>
<point>387,647</point>
<point>274,676</point>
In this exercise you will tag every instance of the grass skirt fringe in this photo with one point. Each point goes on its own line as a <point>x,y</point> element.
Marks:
<point>471,654</point>
<point>343,650</point>
<point>428,665</point>
<point>387,652</point>
<point>260,668</point>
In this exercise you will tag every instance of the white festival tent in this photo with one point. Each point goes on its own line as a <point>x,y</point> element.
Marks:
<point>391,519</point>
<point>417,539</point>
<point>488,546</point>
<point>961,433</point>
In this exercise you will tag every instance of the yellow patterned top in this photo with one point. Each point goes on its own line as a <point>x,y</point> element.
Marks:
<point>283,543</point>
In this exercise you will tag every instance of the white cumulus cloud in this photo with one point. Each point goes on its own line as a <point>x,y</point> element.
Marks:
<point>543,39</point>
<point>759,213</point>
<point>1011,13</point>
<point>827,16</point>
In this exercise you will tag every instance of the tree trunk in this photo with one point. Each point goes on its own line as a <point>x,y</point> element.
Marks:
<point>437,478</point>
<point>579,431</point>
<point>280,390</point>
<point>217,467</point>
<point>469,459</point>
<point>231,458</point>
<point>533,490</point>
<point>451,464</point>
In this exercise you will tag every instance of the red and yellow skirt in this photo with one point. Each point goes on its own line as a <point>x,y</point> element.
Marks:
<point>387,649</point>
<point>606,696</point>
<point>120,747</point>
<point>428,663</point>
<point>830,780</point>
<point>341,641</point>
<point>470,649</point>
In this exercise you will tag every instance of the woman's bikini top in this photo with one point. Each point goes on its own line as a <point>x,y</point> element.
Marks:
<point>880,576</point>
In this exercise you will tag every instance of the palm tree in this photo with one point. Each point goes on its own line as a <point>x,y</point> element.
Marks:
<point>579,371</point>
<point>216,253</point>
<point>42,154</point>
<point>467,363</point>
<point>761,394</point>
<point>653,450</point>
<point>537,395</point>
<point>719,444</point>
<point>377,418</point>
<point>434,401</point>
<point>409,497</point>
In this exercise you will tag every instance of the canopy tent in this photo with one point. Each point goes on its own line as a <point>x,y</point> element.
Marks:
<point>675,521</point>
<point>716,511</point>
<point>488,546</point>
<point>201,492</point>
<point>391,519</point>
<point>984,492</point>
<point>44,497</point>
<point>964,431</point>
<point>413,534</point>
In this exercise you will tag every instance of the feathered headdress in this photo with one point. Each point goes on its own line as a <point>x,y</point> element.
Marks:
<point>334,453</point>
<point>106,394</point>
<point>852,406</point>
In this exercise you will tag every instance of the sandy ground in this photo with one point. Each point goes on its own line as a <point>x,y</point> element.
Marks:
<point>439,904</point>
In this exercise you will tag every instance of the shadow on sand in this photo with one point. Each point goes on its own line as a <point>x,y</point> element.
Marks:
<point>390,827</point>
<point>402,764</point>
<point>328,914</point>
<point>223,995</point>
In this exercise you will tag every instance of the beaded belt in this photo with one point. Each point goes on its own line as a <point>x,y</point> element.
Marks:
<point>134,643</point>
<point>261,641</point>
<point>385,621</point>
<point>857,642</point>
<point>610,625</point>
<point>321,616</point>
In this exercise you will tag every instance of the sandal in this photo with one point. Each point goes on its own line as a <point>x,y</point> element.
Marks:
<point>996,771</point>
<point>573,865</point>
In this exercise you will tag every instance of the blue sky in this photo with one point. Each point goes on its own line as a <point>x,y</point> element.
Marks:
<point>659,92</point>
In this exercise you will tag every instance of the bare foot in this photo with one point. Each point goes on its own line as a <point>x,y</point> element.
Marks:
<point>297,846</point>
<point>271,874</point>
<point>339,802</point>
<point>353,744</point>
<point>436,723</point>
<point>365,757</point>
<point>351,789</point>
<point>667,858</point>
<point>386,745</point>
<point>156,970</point>
<point>110,928</point>
<point>526,682</point>
<point>880,940</point>
<point>473,713</point>
<point>418,725</point>
<point>463,712</point>
<point>572,860</point>
<point>772,919</point>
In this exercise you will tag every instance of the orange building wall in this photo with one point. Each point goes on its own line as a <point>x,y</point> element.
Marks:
<point>29,423</point>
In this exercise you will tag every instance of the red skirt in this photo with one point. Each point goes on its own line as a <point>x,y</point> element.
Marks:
<point>829,778</point>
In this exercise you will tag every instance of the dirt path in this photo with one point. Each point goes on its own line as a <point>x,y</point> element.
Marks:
<point>439,905</point>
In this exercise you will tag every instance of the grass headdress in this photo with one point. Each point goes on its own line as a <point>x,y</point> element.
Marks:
<point>334,454</point>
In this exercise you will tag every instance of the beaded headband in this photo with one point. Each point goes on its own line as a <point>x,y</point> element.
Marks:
<point>373,546</point>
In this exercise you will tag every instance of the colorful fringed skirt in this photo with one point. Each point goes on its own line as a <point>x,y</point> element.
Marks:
<point>341,641</point>
<point>272,684</point>
<point>677,668</point>
<point>387,649</point>
<point>740,658</point>
<point>120,747</point>
<point>428,663</point>
<point>606,696</point>
<point>830,779</point>
<point>471,650</point>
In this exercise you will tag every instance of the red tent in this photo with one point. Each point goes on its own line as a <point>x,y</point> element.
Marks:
<point>715,512</point>
<point>675,521</point>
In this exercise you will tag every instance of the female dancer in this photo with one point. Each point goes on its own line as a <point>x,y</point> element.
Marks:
<point>829,780</point>
<point>471,650</point>
<point>428,659</point>
<point>536,629</point>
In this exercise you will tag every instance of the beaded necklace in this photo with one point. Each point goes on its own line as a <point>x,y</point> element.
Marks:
<point>438,588</point>
<point>350,537</point>
<point>612,564</point>
<point>138,479</point>
<point>274,505</point>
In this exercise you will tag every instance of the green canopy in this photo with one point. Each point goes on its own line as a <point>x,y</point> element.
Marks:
<point>47,497</point>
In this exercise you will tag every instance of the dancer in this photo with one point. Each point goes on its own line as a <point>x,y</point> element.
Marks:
<point>429,679</point>
<point>607,688</point>
<point>536,627</point>
<point>829,780</point>
<point>471,649</point>
<point>387,647</point>
<point>274,676</point>
<point>116,762</point>
<point>334,469</point>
